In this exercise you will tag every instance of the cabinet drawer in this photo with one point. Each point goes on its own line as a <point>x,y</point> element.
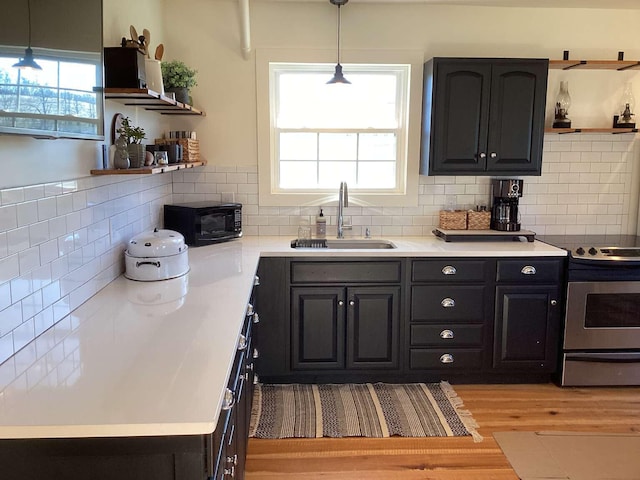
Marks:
<point>435,303</point>
<point>452,270</point>
<point>450,359</point>
<point>446,335</point>
<point>346,272</point>
<point>529,271</point>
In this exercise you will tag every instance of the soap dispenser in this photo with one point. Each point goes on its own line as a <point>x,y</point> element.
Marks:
<point>321,225</point>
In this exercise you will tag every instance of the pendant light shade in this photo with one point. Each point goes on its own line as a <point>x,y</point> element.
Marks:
<point>28,61</point>
<point>338,77</point>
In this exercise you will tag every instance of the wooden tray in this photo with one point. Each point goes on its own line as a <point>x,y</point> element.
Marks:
<point>486,235</point>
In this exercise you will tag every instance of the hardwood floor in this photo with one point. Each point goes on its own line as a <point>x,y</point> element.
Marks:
<point>495,407</point>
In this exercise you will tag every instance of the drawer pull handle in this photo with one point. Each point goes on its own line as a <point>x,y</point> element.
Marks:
<point>256,280</point>
<point>448,302</point>
<point>449,270</point>
<point>256,380</point>
<point>250,310</point>
<point>528,270</point>
<point>233,460</point>
<point>446,334</point>
<point>230,471</point>
<point>242,343</point>
<point>256,318</point>
<point>229,399</point>
<point>256,353</point>
<point>446,358</point>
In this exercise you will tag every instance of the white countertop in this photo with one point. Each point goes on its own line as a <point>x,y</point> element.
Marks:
<point>153,358</point>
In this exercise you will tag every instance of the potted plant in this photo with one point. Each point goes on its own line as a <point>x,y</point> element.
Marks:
<point>178,78</point>
<point>134,137</point>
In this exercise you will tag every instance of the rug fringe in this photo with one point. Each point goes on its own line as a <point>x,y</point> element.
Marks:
<point>465,415</point>
<point>256,409</point>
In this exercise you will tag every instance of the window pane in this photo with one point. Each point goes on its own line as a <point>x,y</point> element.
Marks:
<point>306,101</point>
<point>298,175</point>
<point>298,146</point>
<point>338,146</point>
<point>377,146</point>
<point>332,173</point>
<point>377,175</point>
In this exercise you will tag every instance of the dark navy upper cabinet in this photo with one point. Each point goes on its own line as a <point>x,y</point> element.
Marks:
<point>483,116</point>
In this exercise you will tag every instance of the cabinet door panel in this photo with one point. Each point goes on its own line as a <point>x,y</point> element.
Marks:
<point>526,328</point>
<point>373,326</point>
<point>317,327</point>
<point>518,97</point>
<point>461,110</point>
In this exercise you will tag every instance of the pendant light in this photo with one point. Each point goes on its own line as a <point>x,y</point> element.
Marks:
<point>337,76</point>
<point>28,61</point>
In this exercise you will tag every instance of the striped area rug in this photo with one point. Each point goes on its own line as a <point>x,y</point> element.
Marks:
<point>359,410</point>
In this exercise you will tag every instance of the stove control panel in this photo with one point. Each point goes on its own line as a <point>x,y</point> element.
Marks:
<point>607,253</point>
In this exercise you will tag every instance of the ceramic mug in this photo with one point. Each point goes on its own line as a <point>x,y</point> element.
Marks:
<point>175,153</point>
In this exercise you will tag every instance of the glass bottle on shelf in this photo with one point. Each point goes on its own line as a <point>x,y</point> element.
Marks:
<point>626,109</point>
<point>563,102</point>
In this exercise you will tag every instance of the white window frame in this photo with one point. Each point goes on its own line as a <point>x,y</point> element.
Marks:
<point>406,191</point>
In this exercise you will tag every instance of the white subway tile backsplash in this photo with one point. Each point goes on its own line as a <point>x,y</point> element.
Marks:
<point>63,232</point>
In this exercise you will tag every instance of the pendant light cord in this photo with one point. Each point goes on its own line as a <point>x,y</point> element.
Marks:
<point>29,18</point>
<point>338,34</point>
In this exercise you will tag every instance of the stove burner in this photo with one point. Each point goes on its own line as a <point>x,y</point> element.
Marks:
<point>621,252</point>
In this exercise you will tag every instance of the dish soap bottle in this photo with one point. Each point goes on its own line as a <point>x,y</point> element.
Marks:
<point>321,225</point>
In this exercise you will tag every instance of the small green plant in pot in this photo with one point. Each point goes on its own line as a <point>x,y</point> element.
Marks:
<point>134,137</point>
<point>179,79</point>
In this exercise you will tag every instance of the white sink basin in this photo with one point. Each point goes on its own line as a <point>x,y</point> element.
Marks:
<point>344,243</point>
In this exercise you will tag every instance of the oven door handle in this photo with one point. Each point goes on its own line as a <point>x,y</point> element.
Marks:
<point>622,357</point>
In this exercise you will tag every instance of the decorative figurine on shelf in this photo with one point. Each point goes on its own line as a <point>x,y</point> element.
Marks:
<point>121,159</point>
<point>563,102</point>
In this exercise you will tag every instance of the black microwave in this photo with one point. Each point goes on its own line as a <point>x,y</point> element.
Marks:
<point>204,223</point>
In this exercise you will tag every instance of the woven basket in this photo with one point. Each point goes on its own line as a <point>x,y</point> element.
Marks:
<point>190,147</point>
<point>478,220</point>
<point>453,220</point>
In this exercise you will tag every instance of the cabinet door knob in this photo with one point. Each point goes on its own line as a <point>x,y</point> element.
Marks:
<point>352,303</point>
<point>554,302</point>
<point>229,399</point>
<point>242,342</point>
<point>449,270</point>
<point>256,280</point>
<point>250,310</point>
<point>256,318</point>
<point>256,380</point>
<point>493,154</point>
<point>528,270</point>
<point>446,334</point>
<point>483,155</point>
<point>256,353</point>
<point>448,302</point>
<point>340,303</point>
<point>446,358</point>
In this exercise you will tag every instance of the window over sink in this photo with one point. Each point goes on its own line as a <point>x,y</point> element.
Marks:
<point>312,136</point>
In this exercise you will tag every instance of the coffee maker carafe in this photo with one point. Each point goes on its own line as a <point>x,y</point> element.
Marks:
<point>504,213</point>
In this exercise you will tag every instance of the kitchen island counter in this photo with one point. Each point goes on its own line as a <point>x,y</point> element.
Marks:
<point>153,358</point>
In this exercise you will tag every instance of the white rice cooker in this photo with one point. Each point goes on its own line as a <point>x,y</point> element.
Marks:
<point>157,255</point>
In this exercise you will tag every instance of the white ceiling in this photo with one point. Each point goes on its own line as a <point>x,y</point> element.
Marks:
<point>608,4</point>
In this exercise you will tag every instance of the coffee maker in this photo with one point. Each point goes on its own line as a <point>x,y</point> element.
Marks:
<point>504,213</point>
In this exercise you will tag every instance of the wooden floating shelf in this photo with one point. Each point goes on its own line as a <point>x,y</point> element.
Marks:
<point>150,100</point>
<point>148,170</point>
<point>619,65</point>
<point>590,130</point>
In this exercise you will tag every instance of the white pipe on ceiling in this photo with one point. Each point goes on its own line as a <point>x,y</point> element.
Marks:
<point>245,29</point>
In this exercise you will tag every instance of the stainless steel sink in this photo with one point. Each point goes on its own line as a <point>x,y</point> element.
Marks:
<point>344,243</point>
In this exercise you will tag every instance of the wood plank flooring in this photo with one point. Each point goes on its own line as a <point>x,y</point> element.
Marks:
<point>495,407</point>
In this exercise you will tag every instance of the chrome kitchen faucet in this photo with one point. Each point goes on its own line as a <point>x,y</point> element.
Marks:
<point>343,201</point>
